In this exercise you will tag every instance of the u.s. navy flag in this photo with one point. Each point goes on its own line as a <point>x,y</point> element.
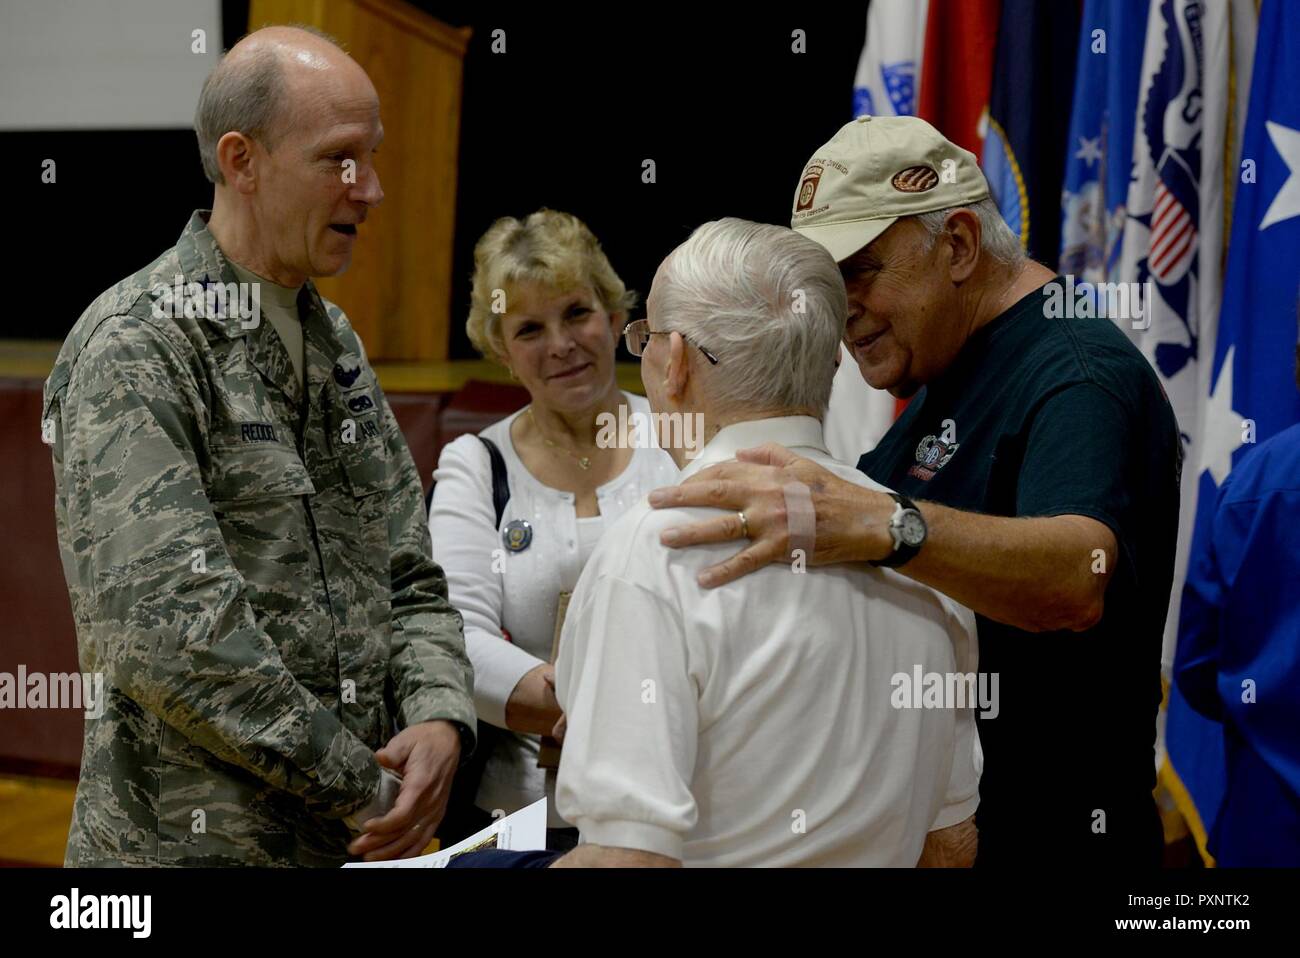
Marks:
<point>1028,120</point>
<point>1251,394</point>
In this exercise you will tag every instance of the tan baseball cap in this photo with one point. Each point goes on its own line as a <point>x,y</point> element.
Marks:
<point>874,170</point>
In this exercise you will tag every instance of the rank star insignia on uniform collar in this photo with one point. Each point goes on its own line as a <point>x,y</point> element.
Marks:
<point>517,535</point>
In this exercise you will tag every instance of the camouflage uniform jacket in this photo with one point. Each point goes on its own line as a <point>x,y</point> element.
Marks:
<point>250,570</point>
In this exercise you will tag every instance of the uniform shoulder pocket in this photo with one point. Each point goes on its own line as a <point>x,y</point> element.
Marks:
<point>56,388</point>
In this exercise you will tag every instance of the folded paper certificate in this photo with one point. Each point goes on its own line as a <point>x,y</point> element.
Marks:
<point>524,831</point>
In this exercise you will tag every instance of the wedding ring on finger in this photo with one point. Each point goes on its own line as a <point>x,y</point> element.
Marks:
<point>744,526</point>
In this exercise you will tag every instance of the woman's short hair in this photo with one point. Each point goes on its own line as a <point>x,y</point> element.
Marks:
<point>548,247</point>
<point>769,303</point>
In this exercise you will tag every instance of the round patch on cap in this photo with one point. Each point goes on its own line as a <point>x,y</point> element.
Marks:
<point>915,179</point>
<point>517,535</point>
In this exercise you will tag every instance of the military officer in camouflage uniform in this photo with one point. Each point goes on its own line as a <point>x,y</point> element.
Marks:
<point>241,524</point>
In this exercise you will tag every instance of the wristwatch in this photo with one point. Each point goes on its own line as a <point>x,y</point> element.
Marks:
<point>907,526</point>
<point>468,741</point>
<point>385,797</point>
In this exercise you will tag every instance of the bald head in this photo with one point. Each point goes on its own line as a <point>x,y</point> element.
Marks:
<point>288,127</point>
<point>264,81</point>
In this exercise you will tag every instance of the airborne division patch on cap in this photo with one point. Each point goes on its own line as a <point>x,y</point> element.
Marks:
<point>808,188</point>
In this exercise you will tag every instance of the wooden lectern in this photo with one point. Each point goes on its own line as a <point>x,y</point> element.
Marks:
<point>397,292</point>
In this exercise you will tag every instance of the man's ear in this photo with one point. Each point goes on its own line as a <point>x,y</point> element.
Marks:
<point>963,231</point>
<point>236,157</point>
<point>616,323</point>
<point>677,373</point>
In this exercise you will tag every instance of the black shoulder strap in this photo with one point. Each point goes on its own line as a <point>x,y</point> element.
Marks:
<point>500,482</point>
<point>500,479</point>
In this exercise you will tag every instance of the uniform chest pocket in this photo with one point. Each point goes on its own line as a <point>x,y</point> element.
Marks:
<point>257,494</point>
<point>365,461</point>
<point>360,527</point>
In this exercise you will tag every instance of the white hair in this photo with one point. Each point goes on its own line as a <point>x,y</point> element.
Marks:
<point>768,303</point>
<point>996,239</point>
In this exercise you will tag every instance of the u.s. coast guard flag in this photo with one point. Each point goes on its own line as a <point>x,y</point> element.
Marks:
<point>1099,151</point>
<point>1250,393</point>
<point>1173,237</point>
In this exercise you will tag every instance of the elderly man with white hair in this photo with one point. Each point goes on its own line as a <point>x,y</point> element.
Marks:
<point>1037,465</point>
<point>753,724</point>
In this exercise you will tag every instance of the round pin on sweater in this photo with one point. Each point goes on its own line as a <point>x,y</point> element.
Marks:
<point>517,535</point>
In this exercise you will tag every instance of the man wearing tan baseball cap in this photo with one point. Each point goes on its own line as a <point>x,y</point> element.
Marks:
<point>856,186</point>
<point>843,202</point>
<point>1035,480</point>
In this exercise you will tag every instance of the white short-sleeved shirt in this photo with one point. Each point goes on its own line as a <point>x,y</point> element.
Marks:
<point>752,724</point>
<point>521,598</point>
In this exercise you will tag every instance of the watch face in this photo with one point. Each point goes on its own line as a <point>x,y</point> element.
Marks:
<point>912,528</point>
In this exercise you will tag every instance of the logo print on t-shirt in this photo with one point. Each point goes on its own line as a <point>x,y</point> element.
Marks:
<point>932,454</point>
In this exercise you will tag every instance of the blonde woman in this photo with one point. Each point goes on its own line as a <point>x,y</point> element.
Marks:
<point>546,304</point>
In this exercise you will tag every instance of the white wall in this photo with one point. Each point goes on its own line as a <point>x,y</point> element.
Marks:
<point>103,64</point>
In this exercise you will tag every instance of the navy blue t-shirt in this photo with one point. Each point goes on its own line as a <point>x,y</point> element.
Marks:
<point>1042,416</point>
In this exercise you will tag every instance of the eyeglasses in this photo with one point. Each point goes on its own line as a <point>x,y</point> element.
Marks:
<point>637,333</point>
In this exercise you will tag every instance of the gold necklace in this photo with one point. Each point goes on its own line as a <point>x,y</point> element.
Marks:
<point>584,462</point>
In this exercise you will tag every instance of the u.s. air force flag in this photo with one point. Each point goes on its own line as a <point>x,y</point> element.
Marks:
<point>1100,148</point>
<point>1251,392</point>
